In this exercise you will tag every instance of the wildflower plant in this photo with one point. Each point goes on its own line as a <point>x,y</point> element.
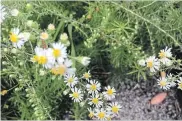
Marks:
<point>49,50</point>
<point>43,69</point>
<point>161,65</point>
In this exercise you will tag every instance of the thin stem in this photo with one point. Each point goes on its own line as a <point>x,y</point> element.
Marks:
<point>148,21</point>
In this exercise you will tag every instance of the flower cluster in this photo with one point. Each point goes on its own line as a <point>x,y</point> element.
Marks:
<point>98,101</point>
<point>159,64</point>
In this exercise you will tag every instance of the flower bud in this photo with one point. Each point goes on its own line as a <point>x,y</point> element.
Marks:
<point>51,27</point>
<point>14,12</point>
<point>5,49</point>
<point>17,89</point>
<point>82,104</point>
<point>65,92</point>
<point>142,62</point>
<point>42,72</point>
<point>4,69</point>
<point>21,63</point>
<point>83,60</point>
<point>29,6</point>
<point>64,37</point>
<point>11,75</point>
<point>4,62</point>
<point>29,23</point>
<point>14,51</point>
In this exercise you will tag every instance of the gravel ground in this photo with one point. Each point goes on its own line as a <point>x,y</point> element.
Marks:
<point>134,99</point>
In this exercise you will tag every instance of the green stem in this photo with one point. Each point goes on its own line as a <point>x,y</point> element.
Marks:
<point>58,29</point>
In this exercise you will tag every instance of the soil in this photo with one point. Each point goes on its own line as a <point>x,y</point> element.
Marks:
<point>135,101</point>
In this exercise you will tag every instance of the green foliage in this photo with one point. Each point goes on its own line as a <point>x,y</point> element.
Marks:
<point>115,35</point>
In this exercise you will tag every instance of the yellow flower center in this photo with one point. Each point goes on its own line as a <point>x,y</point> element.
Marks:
<point>93,87</point>
<point>86,75</point>
<point>62,70</point>
<point>163,83</point>
<point>70,80</point>
<point>91,114</point>
<point>44,36</point>
<point>75,95</point>
<point>13,37</point>
<point>95,100</point>
<point>162,54</point>
<point>115,109</point>
<point>35,58</point>
<point>109,91</point>
<point>56,53</point>
<point>101,115</point>
<point>42,60</point>
<point>150,64</point>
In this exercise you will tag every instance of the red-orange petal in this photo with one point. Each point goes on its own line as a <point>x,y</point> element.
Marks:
<point>158,98</point>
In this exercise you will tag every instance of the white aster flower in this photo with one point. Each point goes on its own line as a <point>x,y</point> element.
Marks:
<point>51,27</point>
<point>95,100</point>
<point>64,68</point>
<point>142,62</point>
<point>180,83</point>
<point>18,39</point>
<point>59,52</point>
<point>71,80</point>
<point>14,12</point>
<point>64,37</point>
<point>152,63</point>
<point>76,95</point>
<point>91,113</point>
<point>93,87</point>
<point>163,83</point>
<point>109,93</point>
<point>87,75</point>
<point>171,80</point>
<point>101,114</point>
<point>43,57</point>
<point>164,55</point>
<point>3,13</point>
<point>114,108</point>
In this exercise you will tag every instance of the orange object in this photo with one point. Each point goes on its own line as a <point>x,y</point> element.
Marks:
<point>158,98</point>
<point>3,92</point>
<point>163,74</point>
